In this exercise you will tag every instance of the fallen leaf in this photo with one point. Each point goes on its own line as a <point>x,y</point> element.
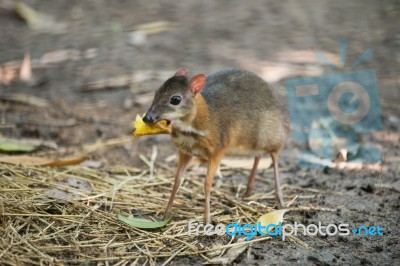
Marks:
<point>38,142</point>
<point>39,161</point>
<point>16,146</point>
<point>274,217</point>
<point>59,56</point>
<point>26,12</point>
<point>231,254</point>
<point>141,128</point>
<point>38,21</point>
<point>33,142</point>
<point>71,188</point>
<point>143,223</point>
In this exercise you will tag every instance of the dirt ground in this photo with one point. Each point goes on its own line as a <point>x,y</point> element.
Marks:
<point>275,39</point>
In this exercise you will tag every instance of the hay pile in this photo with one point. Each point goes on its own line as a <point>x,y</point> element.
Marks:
<point>69,215</point>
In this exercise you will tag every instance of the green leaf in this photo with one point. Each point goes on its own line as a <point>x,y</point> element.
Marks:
<point>9,146</point>
<point>143,223</point>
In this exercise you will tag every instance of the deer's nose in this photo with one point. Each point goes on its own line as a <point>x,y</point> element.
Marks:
<point>149,118</point>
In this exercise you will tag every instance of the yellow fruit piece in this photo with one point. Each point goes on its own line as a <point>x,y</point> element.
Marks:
<point>141,128</point>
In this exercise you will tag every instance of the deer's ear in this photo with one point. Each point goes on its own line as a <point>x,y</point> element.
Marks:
<point>182,72</point>
<point>197,83</point>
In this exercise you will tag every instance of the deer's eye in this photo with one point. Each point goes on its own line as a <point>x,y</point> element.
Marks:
<point>175,100</point>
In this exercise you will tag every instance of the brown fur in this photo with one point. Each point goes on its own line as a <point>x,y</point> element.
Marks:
<point>235,113</point>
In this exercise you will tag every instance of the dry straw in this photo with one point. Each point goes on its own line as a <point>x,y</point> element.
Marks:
<point>68,215</point>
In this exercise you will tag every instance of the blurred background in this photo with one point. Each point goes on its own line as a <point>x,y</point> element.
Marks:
<point>91,66</point>
<point>75,72</point>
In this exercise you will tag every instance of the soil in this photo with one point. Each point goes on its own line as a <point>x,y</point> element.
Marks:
<point>275,39</point>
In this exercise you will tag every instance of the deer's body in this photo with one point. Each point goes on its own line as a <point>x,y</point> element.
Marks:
<point>231,112</point>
